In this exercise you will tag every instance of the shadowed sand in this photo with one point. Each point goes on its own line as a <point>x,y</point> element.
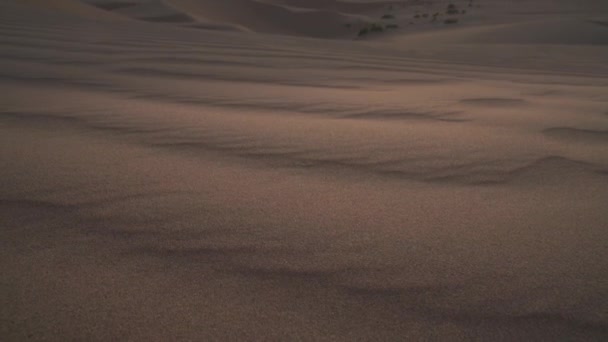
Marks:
<point>186,170</point>
<point>577,134</point>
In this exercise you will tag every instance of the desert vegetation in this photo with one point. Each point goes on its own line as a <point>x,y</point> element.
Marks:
<point>447,15</point>
<point>452,9</point>
<point>379,27</point>
<point>371,28</point>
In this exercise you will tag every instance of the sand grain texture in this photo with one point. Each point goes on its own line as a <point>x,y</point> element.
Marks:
<point>186,170</point>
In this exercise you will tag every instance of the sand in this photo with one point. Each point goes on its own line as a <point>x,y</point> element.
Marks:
<point>232,173</point>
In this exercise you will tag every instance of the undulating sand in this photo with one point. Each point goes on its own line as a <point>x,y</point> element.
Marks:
<point>248,170</point>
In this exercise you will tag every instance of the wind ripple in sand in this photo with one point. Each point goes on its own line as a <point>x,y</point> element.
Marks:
<point>114,5</point>
<point>170,18</point>
<point>482,172</point>
<point>34,205</point>
<point>494,102</point>
<point>578,135</point>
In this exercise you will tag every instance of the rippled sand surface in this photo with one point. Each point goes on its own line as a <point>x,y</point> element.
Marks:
<point>159,182</point>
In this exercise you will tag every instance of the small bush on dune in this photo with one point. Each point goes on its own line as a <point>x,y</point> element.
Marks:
<point>425,15</point>
<point>451,21</point>
<point>371,28</point>
<point>417,16</point>
<point>376,28</point>
<point>392,26</point>
<point>388,16</point>
<point>452,9</point>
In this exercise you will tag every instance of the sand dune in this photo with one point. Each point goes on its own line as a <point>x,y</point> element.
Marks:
<point>244,181</point>
<point>248,15</point>
<point>363,7</point>
<point>270,18</point>
<point>71,7</point>
<point>539,31</point>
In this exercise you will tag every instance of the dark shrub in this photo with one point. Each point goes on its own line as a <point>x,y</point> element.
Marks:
<point>452,9</point>
<point>392,26</point>
<point>370,28</point>
<point>451,21</point>
<point>376,28</point>
<point>388,16</point>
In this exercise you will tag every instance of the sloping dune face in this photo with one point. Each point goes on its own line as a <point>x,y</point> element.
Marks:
<point>270,18</point>
<point>546,31</point>
<point>159,183</point>
<point>345,6</point>
<point>71,7</point>
<point>245,15</point>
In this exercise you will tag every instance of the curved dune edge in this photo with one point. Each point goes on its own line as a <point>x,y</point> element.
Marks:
<point>241,15</point>
<point>269,18</point>
<point>74,7</point>
<point>340,5</point>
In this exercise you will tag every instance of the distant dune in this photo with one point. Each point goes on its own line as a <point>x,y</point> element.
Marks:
<point>279,170</point>
<point>343,19</point>
<point>553,31</point>
<point>344,6</point>
<point>249,15</point>
<point>72,7</point>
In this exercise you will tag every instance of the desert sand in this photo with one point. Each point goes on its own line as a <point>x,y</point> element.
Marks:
<point>248,170</point>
